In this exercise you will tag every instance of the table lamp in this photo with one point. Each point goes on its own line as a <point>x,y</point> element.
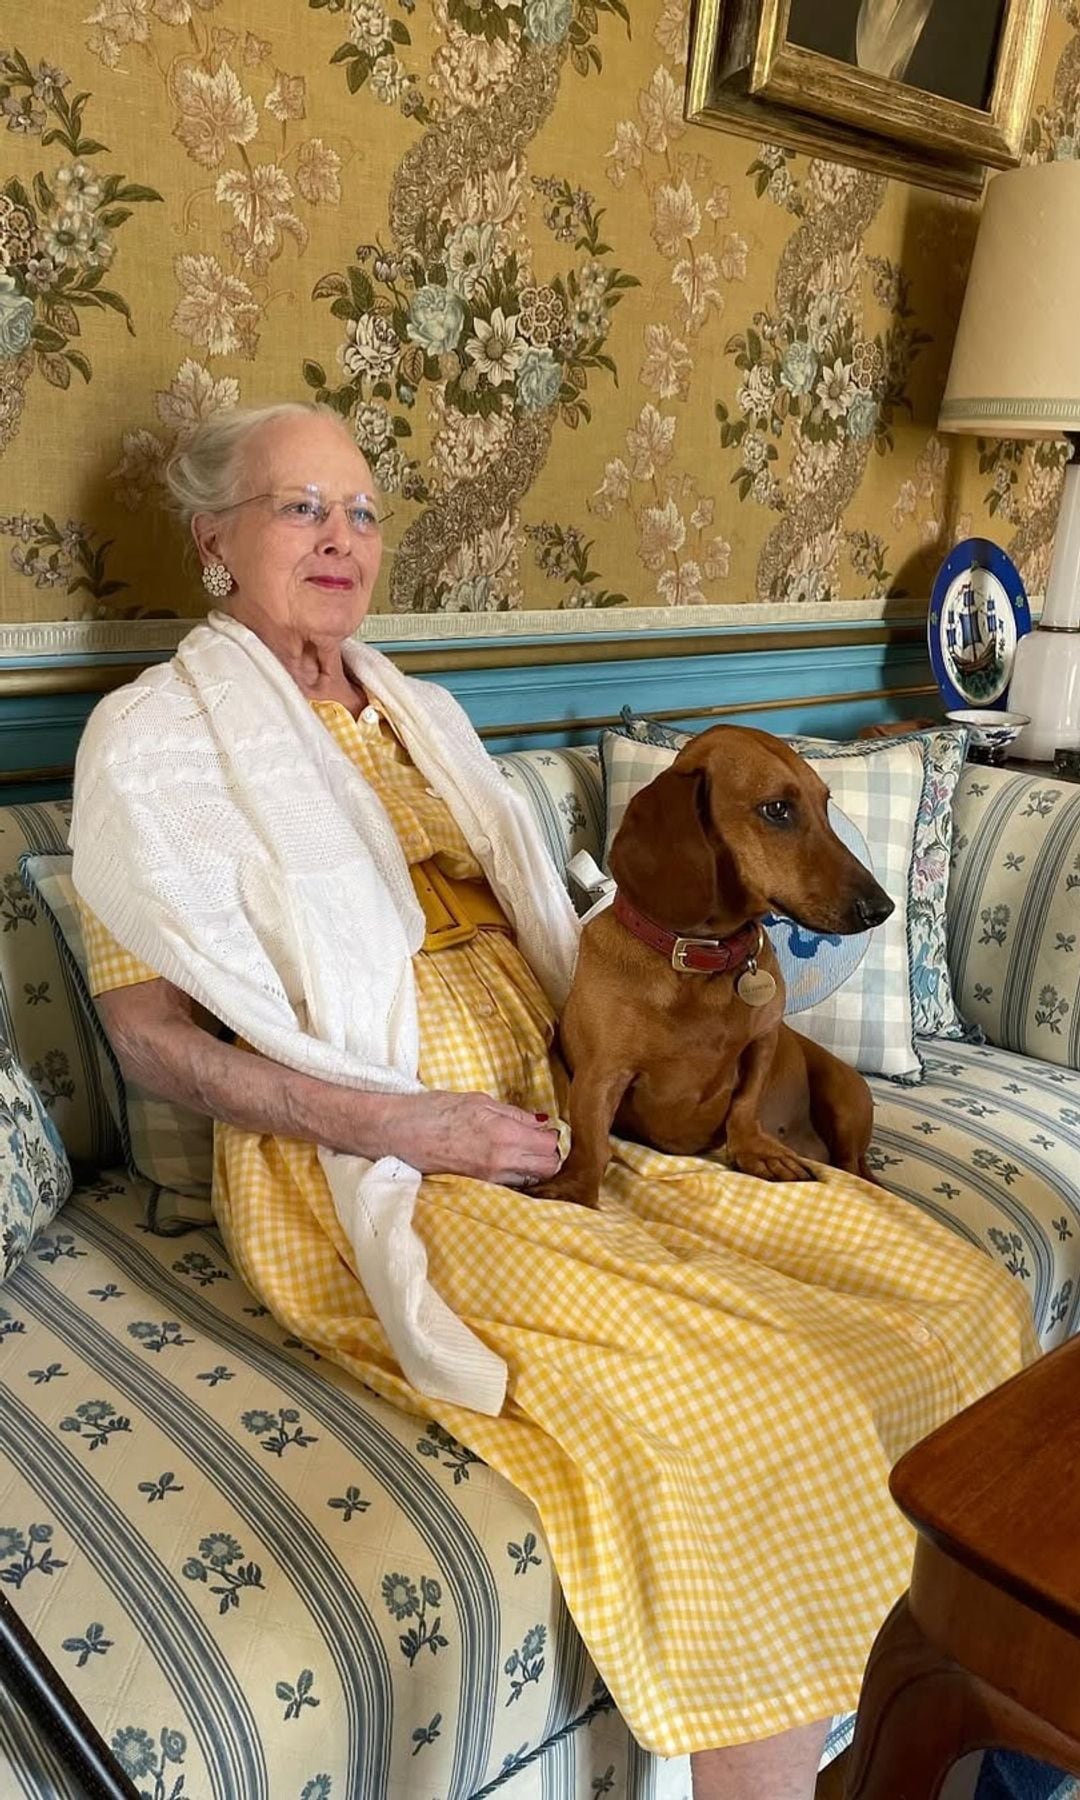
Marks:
<point>1015,373</point>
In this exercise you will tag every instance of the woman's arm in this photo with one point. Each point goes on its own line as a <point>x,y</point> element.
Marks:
<point>159,1044</point>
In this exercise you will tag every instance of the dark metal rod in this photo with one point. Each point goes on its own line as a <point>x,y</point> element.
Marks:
<point>30,1678</point>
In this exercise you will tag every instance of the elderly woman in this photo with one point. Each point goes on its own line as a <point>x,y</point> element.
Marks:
<point>702,1384</point>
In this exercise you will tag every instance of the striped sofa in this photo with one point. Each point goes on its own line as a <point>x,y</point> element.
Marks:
<point>262,1583</point>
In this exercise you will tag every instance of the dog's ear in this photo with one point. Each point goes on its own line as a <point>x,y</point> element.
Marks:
<point>663,857</point>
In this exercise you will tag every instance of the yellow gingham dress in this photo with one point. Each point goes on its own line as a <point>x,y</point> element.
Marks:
<point>709,1377</point>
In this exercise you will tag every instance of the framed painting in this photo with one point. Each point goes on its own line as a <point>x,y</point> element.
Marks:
<point>928,90</point>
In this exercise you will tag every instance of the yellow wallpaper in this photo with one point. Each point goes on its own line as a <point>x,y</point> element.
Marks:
<point>596,357</point>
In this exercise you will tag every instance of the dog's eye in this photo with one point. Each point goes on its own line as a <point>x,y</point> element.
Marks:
<point>778,812</point>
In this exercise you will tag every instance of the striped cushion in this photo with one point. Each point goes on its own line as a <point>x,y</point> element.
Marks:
<point>565,791</point>
<point>41,1016</point>
<point>215,1535</point>
<point>867,1021</point>
<point>1014,911</point>
<point>169,1146</point>
<point>990,1144</point>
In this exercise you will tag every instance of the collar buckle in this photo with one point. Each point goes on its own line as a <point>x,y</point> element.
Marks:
<point>682,946</point>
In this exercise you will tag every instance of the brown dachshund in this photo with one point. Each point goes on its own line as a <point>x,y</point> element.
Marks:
<point>692,1061</point>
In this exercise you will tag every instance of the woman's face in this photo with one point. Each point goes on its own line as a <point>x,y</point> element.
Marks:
<point>292,572</point>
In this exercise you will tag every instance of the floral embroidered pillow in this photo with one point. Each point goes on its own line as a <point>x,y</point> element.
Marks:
<point>35,1175</point>
<point>934,1009</point>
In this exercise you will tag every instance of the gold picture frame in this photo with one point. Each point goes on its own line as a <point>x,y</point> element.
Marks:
<point>750,73</point>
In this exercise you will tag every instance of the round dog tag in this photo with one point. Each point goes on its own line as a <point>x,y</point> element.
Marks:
<point>756,987</point>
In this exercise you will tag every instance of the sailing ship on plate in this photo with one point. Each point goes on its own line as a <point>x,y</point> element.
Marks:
<point>975,631</point>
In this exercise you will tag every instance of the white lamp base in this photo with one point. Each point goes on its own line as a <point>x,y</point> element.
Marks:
<point>1046,669</point>
<point>1046,685</point>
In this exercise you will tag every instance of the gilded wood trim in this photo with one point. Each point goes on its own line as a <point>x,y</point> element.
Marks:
<point>92,678</point>
<point>25,777</point>
<point>748,117</point>
<point>654,647</point>
<point>102,678</point>
<point>802,79</point>
<point>544,726</point>
<point>726,42</point>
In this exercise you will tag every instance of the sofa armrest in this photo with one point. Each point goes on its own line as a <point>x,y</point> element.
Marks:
<point>1013,910</point>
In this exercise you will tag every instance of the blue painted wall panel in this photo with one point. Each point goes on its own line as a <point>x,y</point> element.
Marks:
<point>828,690</point>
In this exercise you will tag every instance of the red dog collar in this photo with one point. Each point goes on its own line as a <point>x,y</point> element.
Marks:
<point>691,955</point>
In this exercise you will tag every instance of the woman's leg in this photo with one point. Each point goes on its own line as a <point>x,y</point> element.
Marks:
<point>776,1768</point>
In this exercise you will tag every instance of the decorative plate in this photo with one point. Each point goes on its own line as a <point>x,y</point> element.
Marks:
<point>815,964</point>
<point>978,613</point>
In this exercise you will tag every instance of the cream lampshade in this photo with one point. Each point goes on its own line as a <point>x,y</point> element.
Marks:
<point>1015,373</point>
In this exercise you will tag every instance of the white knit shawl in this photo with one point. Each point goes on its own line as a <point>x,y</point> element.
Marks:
<point>225,839</point>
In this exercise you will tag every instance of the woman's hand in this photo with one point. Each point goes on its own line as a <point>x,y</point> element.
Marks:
<point>160,1045</point>
<point>442,1133</point>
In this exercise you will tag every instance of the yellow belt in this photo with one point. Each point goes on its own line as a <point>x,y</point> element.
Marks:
<point>454,911</point>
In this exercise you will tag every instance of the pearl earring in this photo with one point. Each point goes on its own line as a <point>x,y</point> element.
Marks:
<point>216,579</point>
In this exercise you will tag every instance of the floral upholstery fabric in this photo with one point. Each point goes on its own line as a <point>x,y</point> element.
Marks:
<point>1014,911</point>
<point>169,1146</point>
<point>990,1144</point>
<point>180,1458</point>
<point>251,1571</point>
<point>35,1176</point>
<point>565,790</point>
<point>41,1017</point>
<point>257,1577</point>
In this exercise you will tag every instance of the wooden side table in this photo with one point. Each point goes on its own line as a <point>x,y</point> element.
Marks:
<point>985,1647</point>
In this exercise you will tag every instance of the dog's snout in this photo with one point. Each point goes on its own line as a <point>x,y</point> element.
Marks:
<point>873,908</point>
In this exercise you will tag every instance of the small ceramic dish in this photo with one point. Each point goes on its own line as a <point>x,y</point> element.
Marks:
<point>991,732</point>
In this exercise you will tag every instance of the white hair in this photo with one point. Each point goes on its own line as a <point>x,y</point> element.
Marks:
<point>202,474</point>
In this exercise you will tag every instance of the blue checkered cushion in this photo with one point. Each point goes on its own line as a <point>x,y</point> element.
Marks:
<point>934,1009</point>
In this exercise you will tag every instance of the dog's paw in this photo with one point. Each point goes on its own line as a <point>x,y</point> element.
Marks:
<point>770,1160</point>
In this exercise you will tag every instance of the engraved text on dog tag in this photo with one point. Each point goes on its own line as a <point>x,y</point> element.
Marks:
<point>755,986</point>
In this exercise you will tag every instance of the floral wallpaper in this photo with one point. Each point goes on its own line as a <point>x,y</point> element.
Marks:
<point>596,357</point>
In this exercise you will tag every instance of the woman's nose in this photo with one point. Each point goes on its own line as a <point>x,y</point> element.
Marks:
<point>335,532</point>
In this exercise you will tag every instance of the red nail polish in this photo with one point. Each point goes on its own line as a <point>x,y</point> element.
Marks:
<point>542,1117</point>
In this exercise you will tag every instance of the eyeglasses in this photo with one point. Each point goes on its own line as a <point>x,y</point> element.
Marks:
<point>305,507</point>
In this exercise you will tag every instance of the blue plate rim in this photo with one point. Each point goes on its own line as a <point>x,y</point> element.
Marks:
<point>971,553</point>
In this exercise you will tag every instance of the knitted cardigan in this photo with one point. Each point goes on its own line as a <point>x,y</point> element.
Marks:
<point>225,839</point>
